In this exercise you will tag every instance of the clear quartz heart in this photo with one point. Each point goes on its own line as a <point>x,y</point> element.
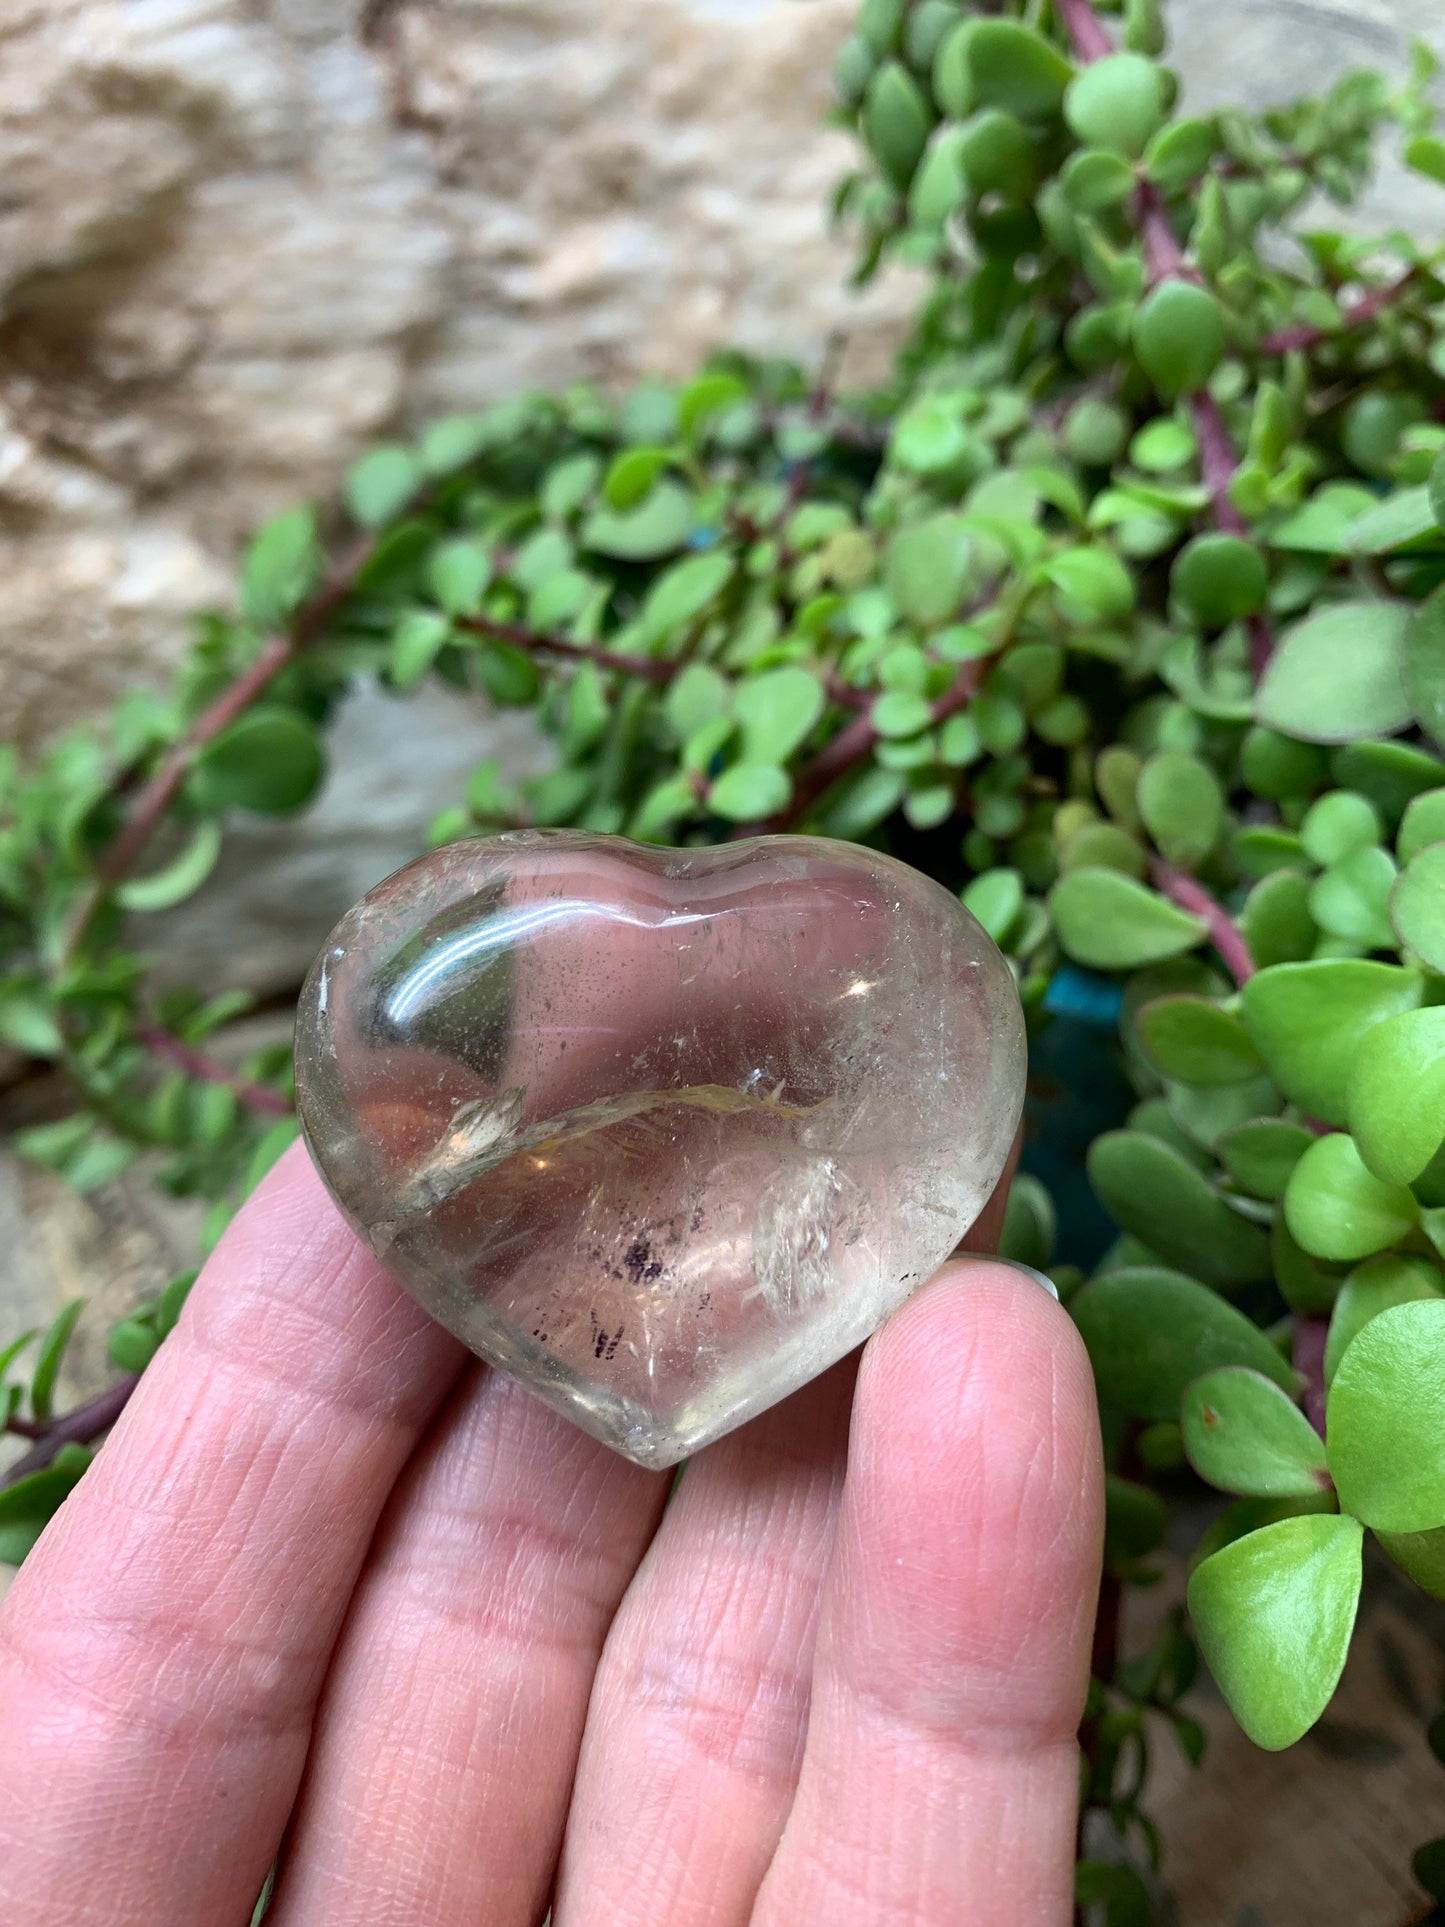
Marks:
<point>662,1133</point>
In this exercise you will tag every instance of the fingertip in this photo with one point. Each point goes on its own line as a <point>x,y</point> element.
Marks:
<point>975,1495</point>
<point>993,1334</point>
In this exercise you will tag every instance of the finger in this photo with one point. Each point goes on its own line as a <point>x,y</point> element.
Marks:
<point>940,1776</point>
<point>161,1651</point>
<point>696,1728</point>
<point>447,1735</point>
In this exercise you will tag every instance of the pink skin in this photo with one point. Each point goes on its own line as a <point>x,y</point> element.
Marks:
<point>329,1568</point>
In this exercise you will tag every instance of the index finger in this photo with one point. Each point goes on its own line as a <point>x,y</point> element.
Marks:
<point>163,1647</point>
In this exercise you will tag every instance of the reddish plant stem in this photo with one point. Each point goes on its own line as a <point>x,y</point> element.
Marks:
<point>651,668</point>
<point>855,742</point>
<point>1163,257</point>
<point>850,746</point>
<point>1084,28</point>
<point>256,1097</point>
<point>1164,260</point>
<point>80,1427</point>
<point>1216,463</point>
<point>160,791</point>
<point>1310,1335</point>
<point>1355,316</point>
<point>1192,896</point>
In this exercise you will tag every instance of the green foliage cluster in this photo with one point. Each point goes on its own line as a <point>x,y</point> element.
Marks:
<point>1121,609</point>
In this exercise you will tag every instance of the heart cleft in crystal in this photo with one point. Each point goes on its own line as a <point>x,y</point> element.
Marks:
<point>663,1133</point>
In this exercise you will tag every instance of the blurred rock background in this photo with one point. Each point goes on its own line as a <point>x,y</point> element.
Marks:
<point>239,240</point>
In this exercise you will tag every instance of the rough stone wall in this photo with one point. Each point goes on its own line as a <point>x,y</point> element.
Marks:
<point>240,238</point>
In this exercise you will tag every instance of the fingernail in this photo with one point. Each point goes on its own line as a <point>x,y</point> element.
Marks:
<point>1027,1271</point>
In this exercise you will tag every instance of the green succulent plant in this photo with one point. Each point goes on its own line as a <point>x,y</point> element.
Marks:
<point>1120,609</point>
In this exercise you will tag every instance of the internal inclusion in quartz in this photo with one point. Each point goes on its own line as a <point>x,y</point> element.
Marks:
<point>663,1133</point>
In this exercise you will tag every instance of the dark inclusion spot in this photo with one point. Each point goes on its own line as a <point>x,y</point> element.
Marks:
<point>604,1343</point>
<point>639,1262</point>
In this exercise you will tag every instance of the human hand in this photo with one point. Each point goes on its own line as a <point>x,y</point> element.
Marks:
<point>333,1579</point>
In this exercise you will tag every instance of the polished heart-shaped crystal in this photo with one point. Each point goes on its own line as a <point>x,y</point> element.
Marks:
<point>663,1133</point>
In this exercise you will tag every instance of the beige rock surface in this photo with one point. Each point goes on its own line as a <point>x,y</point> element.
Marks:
<point>239,240</point>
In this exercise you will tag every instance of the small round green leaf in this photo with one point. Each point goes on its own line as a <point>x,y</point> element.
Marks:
<point>1109,922</point>
<point>939,186</point>
<point>1244,1434</point>
<point>1092,585</point>
<point>1179,337</point>
<point>280,569</point>
<point>132,1344</point>
<point>1095,181</point>
<point>696,697</point>
<point>1180,152</point>
<point>1338,1209</point>
<point>1276,766</point>
<point>1013,66</point>
<point>1417,906</point>
<point>896,122</point>
<point>381,484</point>
<point>1116,103</point>
<point>1336,676</point>
<point>1096,432</point>
<point>1396,1094</point>
<point>777,710</point>
<point>1338,824</point>
<point>1390,774</point>
<point>750,791</point>
<point>927,26</point>
<point>1260,1155</point>
<point>178,879</point>
<point>1182,805</point>
<point>1421,1555</point>
<point>458,573</point>
<point>1194,1041</point>
<point>659,522</point>
<point>952,81</point>
<point>1423,823</point>
<point>1219,579</point>
<point>1276,923</point>
<point>1273,1613</point>
<point>27,1506</point>
<point>682,594</point>
<point>1136,1520</point>
<point>1387,1420</point>
<point>1151,1332</point>
<point>1352,899</point>
<point>1379,1284</point>
<point>420,637</point>
<point>997,899</point>
<point>630,478</point>
<point>900,714</point>
<point>1307,1020</point>
<point>926,569</point>
<point>1165,1201</point>
<point>453,442</point>
<point>706,398</point>
<point>1423,666</point>
<point>268,760</point>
